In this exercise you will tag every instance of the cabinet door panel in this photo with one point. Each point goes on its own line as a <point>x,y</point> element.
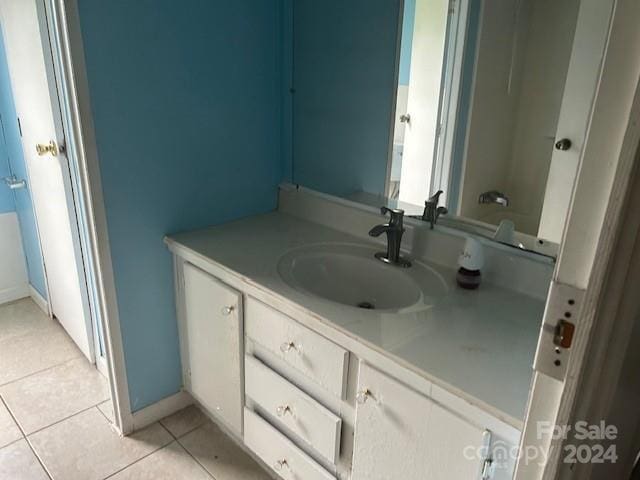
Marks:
<point>214,339</point>
<point>402,434</point>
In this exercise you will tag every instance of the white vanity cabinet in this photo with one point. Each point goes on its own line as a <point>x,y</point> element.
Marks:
<point>402,434</point>
<point>309,406</point>
<point>212,339</point>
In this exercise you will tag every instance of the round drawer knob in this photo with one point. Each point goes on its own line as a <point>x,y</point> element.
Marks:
<point>363,395</point>
<point>282,410</point>
<point>287,347</point>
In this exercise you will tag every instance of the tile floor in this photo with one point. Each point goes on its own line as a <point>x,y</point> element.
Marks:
<point>55,418</point>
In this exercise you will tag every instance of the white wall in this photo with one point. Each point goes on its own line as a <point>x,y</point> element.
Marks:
<point>13,270</point>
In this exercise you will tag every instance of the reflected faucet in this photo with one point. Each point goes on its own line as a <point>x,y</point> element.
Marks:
<point>431,209</point>
<point>394,230</point>
<point>494,196</point>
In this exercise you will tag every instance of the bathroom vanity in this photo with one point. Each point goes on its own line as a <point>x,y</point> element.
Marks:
<point>326,363</point>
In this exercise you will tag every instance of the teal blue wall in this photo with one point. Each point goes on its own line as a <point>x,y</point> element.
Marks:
<point>22,197</point>
<point>408,24</point>
<point>345,56</point>
<point>188,108</point>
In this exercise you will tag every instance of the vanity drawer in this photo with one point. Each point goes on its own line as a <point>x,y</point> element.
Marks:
<point>279,452</point>
<point>318,358</point>
<point>292,409</point>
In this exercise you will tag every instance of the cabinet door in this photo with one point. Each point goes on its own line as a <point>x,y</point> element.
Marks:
<point>213,314</point>
<point>400,434</point>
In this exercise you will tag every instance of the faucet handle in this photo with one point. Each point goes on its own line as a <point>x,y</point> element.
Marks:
<point>397,214</point>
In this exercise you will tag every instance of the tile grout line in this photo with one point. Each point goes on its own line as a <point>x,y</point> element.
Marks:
<point>64,419</point>
<point>187,450</point>
<point>104,414</point>
<point>41,371</point>
<point>26,439</point>
<point>148,454</point>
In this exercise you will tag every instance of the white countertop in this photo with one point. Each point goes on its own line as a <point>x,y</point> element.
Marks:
<point>481,343</point>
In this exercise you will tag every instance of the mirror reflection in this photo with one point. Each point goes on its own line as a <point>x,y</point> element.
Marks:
<point>396,101</point>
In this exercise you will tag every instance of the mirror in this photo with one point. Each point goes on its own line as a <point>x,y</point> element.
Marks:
<point>394,101</point>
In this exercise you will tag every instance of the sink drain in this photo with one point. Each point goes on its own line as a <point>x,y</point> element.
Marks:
<point>367,305</point>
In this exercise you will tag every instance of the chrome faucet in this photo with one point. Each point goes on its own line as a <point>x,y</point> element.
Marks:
<point>494,196</point>
<point>394,230</point>
<point>431,209</point>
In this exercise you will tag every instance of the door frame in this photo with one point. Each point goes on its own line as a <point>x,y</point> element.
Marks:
<point>63,26</point>
<point>75,204</point>
<point>588,249</point>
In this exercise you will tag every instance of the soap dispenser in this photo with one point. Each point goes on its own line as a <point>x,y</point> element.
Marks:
<point>470,263</point>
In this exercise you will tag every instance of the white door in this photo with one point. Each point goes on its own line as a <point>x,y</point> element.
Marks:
<point>400,433</point>
<point>214,342</point>
<point>49,178</point>
<point>424,96</point>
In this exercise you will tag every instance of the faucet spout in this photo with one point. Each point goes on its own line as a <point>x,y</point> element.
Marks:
<point>379,230</point>
<point>394,230</point>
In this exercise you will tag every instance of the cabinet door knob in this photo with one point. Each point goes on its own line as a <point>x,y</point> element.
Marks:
<point>363,395</point>
<point>226,311</point>
<point>280,464</point>
<point>564,144</point>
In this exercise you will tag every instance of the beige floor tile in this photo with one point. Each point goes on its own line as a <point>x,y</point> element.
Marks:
<point>84,447</point>
<point>9,431</point>
<point>184,421</point>
<point>25,354</point>
<point>220,456</point>
<point>17,462</point>
<point>22,317</point>
<point>107,410</point>
<point>44,398</point>
<point>170,463</point>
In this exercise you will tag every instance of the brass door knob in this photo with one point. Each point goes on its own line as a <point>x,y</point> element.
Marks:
<point>44,149</point>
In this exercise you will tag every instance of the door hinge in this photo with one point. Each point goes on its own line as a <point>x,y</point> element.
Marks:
<point>439,130</point>
<point>452,7</point>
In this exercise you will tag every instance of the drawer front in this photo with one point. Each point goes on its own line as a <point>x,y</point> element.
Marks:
<point>292,409</point>
<point>320,359</point>
<point>278,452</point>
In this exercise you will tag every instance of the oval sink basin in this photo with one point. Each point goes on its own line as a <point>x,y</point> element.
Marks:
<point>351,275</point>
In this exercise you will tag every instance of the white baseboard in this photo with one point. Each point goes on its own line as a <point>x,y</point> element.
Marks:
<point>159,410</point>
<point>14,293</point>
<point>38,299</point>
